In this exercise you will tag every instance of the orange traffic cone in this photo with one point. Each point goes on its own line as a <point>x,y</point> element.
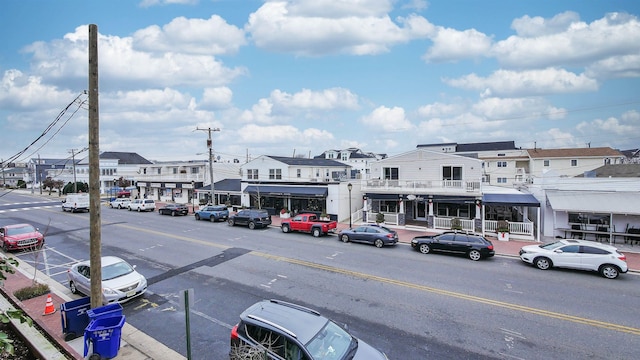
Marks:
<point>49,308</point>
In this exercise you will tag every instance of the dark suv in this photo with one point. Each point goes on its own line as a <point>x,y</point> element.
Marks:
<point>475,247</point>
<point>293,332</point>
<point>253,218</point>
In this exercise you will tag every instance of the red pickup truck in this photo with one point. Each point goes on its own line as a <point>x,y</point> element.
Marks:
<point>309,223</point>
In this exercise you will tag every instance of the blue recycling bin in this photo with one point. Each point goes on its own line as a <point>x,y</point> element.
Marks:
<point>114,309</point>
<point>74,317</point>
<point>103,336</point>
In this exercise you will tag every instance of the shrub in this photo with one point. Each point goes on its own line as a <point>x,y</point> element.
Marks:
<point>32,291</point>
<point>456,224</point>
<point>379,218</point>
<point>503,226</point>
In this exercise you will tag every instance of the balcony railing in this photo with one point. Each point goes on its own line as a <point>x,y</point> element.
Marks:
<point>170,177</point>
<point>421,186</point>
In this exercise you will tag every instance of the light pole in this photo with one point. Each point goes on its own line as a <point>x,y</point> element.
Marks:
<point>210,146</point>
<point>349,186</point>
<point>115,182</point>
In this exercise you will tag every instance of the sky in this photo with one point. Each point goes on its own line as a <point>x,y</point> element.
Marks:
<point>299,77</point>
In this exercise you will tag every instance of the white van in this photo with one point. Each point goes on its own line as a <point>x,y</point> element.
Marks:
<point>76,202</point>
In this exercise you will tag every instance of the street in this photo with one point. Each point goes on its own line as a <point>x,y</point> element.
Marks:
<point>409,305</point>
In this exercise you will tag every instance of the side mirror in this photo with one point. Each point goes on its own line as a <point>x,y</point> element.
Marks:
<point>558,251</point>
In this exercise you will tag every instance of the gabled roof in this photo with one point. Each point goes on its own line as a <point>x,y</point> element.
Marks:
<point>573,152</point>
<point>616,170</point>
<point>307,162</point>
<point>125,158</point>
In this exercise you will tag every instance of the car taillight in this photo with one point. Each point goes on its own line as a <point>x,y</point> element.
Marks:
<point>490,247</point>
<point>622,257</point>
<point>390,236</point>
<point>234,332</point>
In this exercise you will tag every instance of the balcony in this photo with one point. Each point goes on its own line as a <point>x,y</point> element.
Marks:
<point>439,187</point>
<point>170,177</point>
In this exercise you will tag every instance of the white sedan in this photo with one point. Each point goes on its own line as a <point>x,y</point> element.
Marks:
<point>576,254</point>
<point>120,280</point>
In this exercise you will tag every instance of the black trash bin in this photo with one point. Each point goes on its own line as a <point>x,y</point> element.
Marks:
<point>74,317</point>
<point>102,336</point>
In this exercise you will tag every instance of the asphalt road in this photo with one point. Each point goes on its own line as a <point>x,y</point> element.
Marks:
<point>410,305</point>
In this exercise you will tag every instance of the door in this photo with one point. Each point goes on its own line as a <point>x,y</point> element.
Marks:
<point>420,210</point>
<point>568,256</point>
<point>83,282</point>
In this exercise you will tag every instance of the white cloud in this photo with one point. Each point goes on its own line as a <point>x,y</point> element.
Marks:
<point>516,108</point>
<point>452,45</point>
<point>328,99</point>
<point>627,66</point>
<point>339,27</point>
<point>616,34</point>
<point>441,109</point>
<point>387,119</point>
<point>628,124</point>
<point>530,27</point>
<point>19,91</point>
<point>124,67</point>
<point>507,83</point>
<point>216,98</point>
<point>213,36</point>
<point>276,134</point>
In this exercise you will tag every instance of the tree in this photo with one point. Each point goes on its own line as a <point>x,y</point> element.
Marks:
<point>49,183</point>
<point>69,188</point>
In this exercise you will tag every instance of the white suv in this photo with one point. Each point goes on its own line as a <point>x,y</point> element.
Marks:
<point>576,254</point>
<point>142,205</point>
<point>120,203</point>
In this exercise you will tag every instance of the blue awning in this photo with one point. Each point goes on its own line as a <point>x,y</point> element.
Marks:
<point>298,191</point>
<point>511,199</point>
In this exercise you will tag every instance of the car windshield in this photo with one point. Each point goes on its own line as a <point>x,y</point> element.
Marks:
<point>552,246</point>
<point>116,270</point>
<point>218,208</point>
<point>332,342</point>
<point>20,230</point>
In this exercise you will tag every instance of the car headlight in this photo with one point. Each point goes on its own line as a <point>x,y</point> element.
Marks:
<point>108,291</point>
<point>414,241</point>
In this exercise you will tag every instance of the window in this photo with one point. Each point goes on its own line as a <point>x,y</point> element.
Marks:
<point>502,164</point>
<point>252,174</point>
<point>298,173</point>
<point>195,170</point>
<point>570,249</point>
<point>451,173</point>
<point>390,173</point>
<point>546,162</point>
<point>275,174</point>
<point>502,180</point>
<point>593,250</point>
<point>175,170</point>
<point>574,162</point>
<point>159,171</point>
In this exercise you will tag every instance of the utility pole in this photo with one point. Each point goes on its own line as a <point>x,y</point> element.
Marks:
<point>210,146</point>
<point>39,174</point>
<point>4,181</point>
<point>95,239</point>
<point>73,158</point>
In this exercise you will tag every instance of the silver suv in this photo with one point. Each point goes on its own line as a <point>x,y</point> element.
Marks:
<point>142,205</point>
<point>293,332</point>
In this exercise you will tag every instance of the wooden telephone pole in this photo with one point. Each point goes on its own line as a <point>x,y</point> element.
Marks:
<point>95,241</point>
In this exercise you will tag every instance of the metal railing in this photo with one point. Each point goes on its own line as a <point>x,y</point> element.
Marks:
<point>417,186</point>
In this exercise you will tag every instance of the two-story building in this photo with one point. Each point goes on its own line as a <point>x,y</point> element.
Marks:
<point>430,188</point>
<point>298,184</point>
<point>359,160</point>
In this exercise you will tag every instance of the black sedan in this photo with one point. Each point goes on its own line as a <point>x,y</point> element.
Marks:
<point>370,234</point>
<point>253,218</point>
<point>174,209</point>
<point>473,246</point>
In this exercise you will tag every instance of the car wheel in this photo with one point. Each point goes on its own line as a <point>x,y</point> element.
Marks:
<point>344,238</point>
<point>73,288</point>
<point>231,222</point>
<point>425,248</point>
<point>285,228</point>
<point>475,255</point>
<point>212,218</point>
<point>173,213</point>
<point>378,243</point>
<point>609,271</point>
<point>129,209</point>
<point>5,248</point>
<point>316,232</point>
<point>252,225</point>
<point>197,217</point>
<point>119,207</point>
<point>542,263</point>
<point>139,210</point>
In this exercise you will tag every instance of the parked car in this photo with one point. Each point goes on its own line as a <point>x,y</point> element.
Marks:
<point>142,205</point>
<point>377,235</point>
<point>120,280</point>
<point>120,203</point>
<point>290,331</point>
<point>76,202</point>
<point>20,236</point>
<point>576,254</point>
<point>309,223</point>
<point>213,213</point>
<point>475,247</point>
<point>174,209</point>
<point>253,218</point>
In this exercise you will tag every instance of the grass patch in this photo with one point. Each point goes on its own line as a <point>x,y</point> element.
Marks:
<point>32,291</point>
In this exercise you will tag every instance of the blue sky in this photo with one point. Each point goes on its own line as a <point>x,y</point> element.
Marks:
<point>301,77</point>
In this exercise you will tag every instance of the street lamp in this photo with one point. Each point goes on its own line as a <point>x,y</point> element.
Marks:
<point>115,182</point>
<point>349,186</point>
